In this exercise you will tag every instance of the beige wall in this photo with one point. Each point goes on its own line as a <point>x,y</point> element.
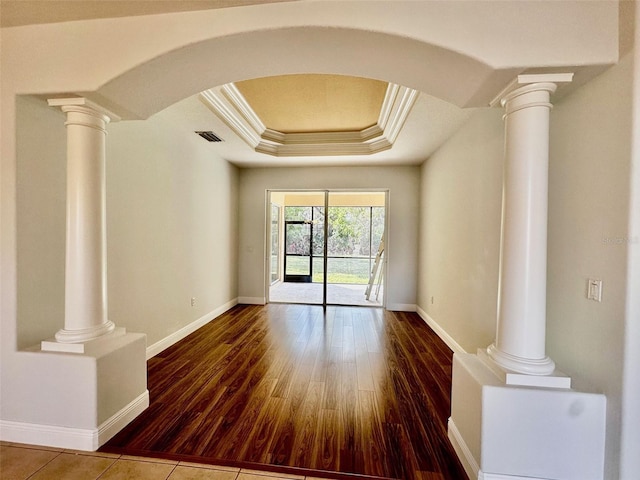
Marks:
<point>589,169</point>
<point>41,199</point>
<point>403,185</point>
<point>171,225</point>
<point>630,415</point>
<point>460,205</point>
<point>588,234</point>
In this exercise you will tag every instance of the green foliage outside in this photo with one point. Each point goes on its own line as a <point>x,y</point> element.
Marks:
<point>354,232</point>
<point>349,229</point>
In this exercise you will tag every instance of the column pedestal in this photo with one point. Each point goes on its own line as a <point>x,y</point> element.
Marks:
<point>510,432</point>
<point>81,400</point>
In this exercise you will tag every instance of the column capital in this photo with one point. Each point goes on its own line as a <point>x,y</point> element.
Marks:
<point>83,105</point>
<point>544,81</point>
<point>531,95</point>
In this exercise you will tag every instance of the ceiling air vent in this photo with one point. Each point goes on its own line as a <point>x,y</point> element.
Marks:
<point>209,136</point>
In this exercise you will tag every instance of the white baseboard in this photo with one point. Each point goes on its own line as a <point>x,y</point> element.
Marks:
<point>446,338</point>
<point>499,476</point>
<point>175,337</point>
<point>464,454</point>
<point>401,307</point>
<point>88,439</point>
<point>121,419</point>
<point>252,300</point>
<point>48,435</point>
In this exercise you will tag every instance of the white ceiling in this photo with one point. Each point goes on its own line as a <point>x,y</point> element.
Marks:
<point>29,12</point>
<point>469,79</point>
<point>431,122</point>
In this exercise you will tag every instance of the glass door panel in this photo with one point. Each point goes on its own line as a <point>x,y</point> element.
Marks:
<point>318,244</point>
<point>356,227</point>
<point>297,255</point>
<point>275,244</point>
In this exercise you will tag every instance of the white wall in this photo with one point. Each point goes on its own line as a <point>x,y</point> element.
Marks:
<point>403,185</point>
<point>590,151</point>
<point>171,227</point>
<point>460,205</point>
<point>479,44</point>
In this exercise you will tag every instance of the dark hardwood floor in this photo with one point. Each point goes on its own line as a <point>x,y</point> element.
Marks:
<point>289,388</point>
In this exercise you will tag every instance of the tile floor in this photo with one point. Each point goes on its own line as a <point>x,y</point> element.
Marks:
<point>22,462</point>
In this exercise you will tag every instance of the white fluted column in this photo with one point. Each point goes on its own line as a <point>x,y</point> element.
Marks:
<point>520,335</point>
<point>86,274</point>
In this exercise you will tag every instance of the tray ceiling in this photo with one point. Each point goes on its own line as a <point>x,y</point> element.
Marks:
<point>315,103</point>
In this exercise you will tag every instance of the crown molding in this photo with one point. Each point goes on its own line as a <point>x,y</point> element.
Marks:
<point>216,103</point>
<point>237,100</point>
<point>231,107</point>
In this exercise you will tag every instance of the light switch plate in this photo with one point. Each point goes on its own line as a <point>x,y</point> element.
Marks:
<point>594,289</point>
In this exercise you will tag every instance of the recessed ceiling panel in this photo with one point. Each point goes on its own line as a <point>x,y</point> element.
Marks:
<point>315,103</point>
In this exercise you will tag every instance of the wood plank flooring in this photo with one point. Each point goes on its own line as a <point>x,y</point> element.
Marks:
<point>290,388</point>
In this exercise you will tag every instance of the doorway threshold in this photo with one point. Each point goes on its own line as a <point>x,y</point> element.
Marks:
<point>311,293</point>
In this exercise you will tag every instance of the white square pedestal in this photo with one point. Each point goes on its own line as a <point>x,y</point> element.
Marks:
<point>511,432</point>
<point>80,400</point>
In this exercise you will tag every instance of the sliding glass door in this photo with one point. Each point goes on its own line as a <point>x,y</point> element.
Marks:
<point>352,231</point>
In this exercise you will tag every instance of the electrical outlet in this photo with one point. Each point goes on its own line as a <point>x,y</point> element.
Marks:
<point>193,301</point>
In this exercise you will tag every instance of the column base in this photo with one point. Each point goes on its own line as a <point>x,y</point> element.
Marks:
<point>84,334</point>
<point>528,366</point>
<point>53,345</point>
<point>555,379</point>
